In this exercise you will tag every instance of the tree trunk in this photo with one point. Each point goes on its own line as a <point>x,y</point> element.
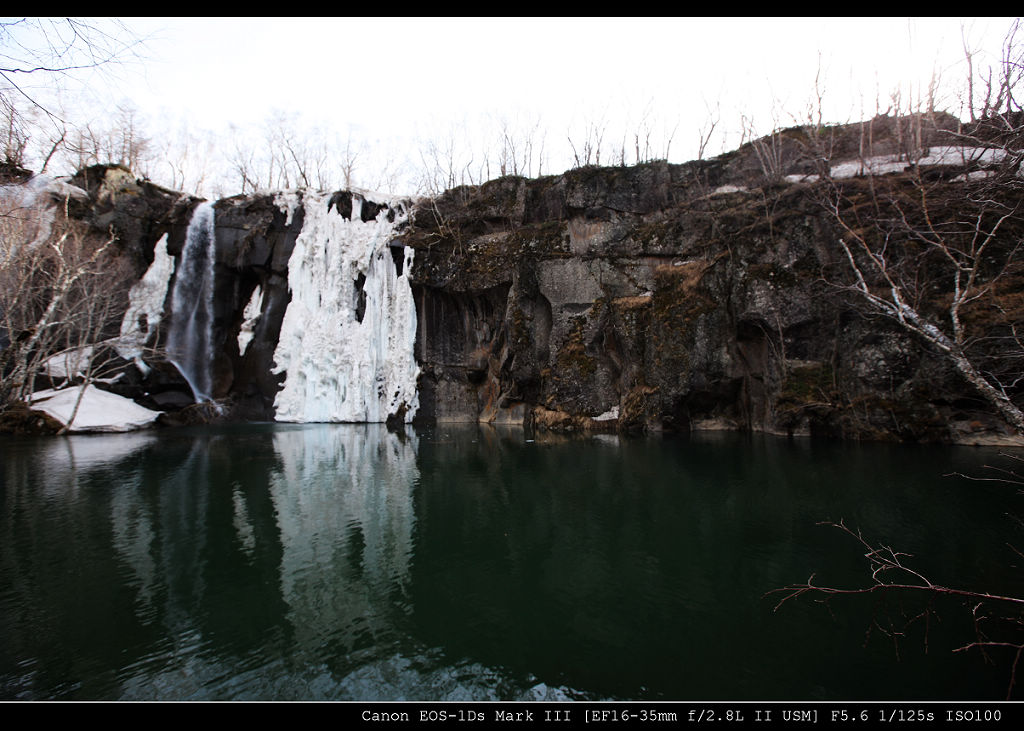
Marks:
<point>1006,408</point>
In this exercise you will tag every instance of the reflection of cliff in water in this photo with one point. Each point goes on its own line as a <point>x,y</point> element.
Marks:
<point>198,529</point>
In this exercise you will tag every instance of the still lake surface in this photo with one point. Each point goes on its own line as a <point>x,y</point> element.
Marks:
<point>473,563</point>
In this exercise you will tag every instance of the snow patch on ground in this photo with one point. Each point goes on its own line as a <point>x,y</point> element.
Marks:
<point>348,334</point>
<point>612,413</point>
<point>884,164</point>
<point>946,155</point>
<point>973,175</point>
<point>100,411</point>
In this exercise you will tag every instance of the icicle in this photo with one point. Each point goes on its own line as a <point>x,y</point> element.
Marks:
<point>347,337</point>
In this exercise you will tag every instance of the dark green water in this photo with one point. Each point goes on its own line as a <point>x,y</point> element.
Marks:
<point>329,561</point>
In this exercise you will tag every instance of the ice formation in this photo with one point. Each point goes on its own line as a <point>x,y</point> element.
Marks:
<point>33,204</point>
<point>251,315</point>
<point>189,340</point>
<point>145,306</point>
<point>288,201</point>
<point>348,334</point>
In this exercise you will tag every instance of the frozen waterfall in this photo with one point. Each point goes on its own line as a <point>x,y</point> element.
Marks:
<point>145,306</point>
<point>348,334</point>
<point>189,340</point>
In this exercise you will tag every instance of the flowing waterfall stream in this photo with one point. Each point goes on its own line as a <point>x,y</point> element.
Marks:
<point>189,340</point>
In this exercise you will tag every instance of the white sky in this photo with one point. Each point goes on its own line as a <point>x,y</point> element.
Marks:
<point>393,72</point>
<point>397,81</point>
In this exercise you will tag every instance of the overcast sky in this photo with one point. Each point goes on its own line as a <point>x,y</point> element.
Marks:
<point>396,82</point>
<point>394,73</point>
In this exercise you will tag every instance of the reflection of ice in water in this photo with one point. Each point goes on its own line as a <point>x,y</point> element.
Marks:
<point>344,503</point>
<point>242,521</point>
<point>132,528</point>
<point>396,678</point>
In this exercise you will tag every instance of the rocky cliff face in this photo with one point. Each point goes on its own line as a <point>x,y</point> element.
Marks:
<point>656,297</point>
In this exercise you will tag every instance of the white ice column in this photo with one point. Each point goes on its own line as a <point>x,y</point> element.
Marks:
<point>347,338</point>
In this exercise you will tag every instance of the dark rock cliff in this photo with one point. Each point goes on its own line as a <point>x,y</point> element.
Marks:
<point>704,295</point>
<point>654,297</point>
<point>641,291</point>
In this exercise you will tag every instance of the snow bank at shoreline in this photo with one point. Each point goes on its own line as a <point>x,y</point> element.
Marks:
<point>100,411</point>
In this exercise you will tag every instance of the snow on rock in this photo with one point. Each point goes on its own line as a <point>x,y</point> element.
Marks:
<point>973,175</point>
<point>287,201</point>
<point>724,189</point>
<point>34,203</point>
<point>99,411</point>
<point>251,315</point>
<point>41,190</point>
<point>68,364</point>
<point>348,334</point>
<point>946,155</point>
<point>145,306</point>
<point>611,414</point>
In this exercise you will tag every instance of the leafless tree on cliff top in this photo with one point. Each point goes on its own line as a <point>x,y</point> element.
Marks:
<point>38,56</point>
<point>943,257</point>
<point>938,250</point>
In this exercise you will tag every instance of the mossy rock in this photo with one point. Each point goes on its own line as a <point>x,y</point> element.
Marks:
<point>808,384</point>
<point>18,418</point>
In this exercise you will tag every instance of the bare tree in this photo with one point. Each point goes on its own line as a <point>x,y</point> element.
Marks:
<point>58,49</point>
<point>520,145</point>
<point>117,140</point>
<point>38,58</point>
<point>60,295</point>
<point>285,153</point>
<point>15,130</point>
<point>768,149</point>
<point>999,87</point>
<point>939,252</point>
<point>447,160</point>
<point>588,152</point>
<point>998,618</point>
<point>184,160</point>
<point>935,254</point>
